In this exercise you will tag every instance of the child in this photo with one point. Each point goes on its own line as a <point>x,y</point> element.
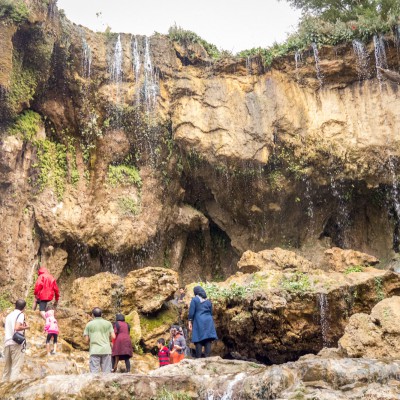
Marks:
<point>51,328</point>
<point>163,352</point>
<point>177,345</point>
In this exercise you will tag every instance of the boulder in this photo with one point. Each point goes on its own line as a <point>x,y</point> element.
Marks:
<point>339,260</point>
<point>158,325</point>
<point>147,289</point>
<point>273,259</point>
<point>376,335</point>
<point>288,313</point>
<point>54,258</point>
<point>102,290</point>
<point>72,322</point>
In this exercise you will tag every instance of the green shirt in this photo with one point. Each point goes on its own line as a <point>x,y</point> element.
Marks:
<point>99,331</point>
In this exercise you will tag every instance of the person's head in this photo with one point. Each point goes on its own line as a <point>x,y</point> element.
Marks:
<point>160,343</point>
<point>96,312</point>
<point>20,304</point>
<point>42,270</point>
<point>199,291</point>
<point>181,290</point>
<point>173,331</point>
<point>120,317</point>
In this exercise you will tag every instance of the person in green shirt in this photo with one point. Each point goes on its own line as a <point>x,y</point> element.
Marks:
<point>98,333</point>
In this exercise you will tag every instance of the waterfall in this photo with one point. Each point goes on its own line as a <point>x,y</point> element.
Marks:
<point>249,66</point>
<point>136,60</point>
<point>229,389</point>
<point>362,59</point>
<point>323,315</point>
<point>380,55</point>
<point>395,194</point>
<point>116,67</point>
<point>151,88</point>
<point>320,76</point>
<point>342,209</point>
<point>310,204</point>
<point>86,59</point>
<point>298,59</point>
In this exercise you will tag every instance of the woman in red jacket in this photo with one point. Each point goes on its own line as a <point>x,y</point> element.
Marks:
<point>45,290</point>
<point>122,347</point>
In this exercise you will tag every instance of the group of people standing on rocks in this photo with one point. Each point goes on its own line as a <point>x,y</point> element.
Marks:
<point>108,343</point>
<point>201,324</point>
<point>15,325</point>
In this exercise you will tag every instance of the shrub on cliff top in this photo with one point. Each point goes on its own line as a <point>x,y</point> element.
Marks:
<point>14,10</point>
<point>183,36</point>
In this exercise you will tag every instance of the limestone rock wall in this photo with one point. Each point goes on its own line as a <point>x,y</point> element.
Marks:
<point>149,153</point>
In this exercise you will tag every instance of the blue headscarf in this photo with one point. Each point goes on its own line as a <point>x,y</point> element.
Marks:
<point>199,291</point>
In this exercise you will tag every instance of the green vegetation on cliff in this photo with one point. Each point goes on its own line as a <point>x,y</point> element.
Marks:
<point>52,166</point>
<point>22,89</point>
<point>185,37</point>
<point>26,125</point>
<point>124,175</point>
<point>332,22</point>
<point>13,10</point>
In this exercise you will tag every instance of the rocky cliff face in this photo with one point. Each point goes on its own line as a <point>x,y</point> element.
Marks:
<point>121,151</point>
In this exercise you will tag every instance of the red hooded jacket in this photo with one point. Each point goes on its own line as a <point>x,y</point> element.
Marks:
<point>46,286</point>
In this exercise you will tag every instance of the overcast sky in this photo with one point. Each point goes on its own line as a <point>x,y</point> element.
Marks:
<point>230,24</point>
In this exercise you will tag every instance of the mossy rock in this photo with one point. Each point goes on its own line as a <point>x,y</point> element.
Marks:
<point>158,325</point>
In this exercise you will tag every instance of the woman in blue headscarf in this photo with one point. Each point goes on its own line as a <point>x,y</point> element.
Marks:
<point>201,322</point>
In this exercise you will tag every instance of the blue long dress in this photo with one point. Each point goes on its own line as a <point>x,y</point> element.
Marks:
<point>203,324</point>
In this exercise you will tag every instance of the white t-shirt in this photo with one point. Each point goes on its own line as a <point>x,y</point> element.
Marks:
<point>9,326</point>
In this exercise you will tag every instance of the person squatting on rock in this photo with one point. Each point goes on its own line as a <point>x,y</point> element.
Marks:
<point>51,328</point>
<point>177,345</point>
<point>201,322</point>
<point>98,333</point>
<point>122,345</point>
<point>163,352</point>
<point>14,352</point>
<point>45,290</point>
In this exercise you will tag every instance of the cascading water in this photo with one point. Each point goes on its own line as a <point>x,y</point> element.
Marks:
<point>151,87</point>
<point>380,56</point>
<point>86,59</point>
<point>298,59</point>
<point>362,59</point>
<point>249,65</point>
<point>229,389</point>
<point>136,60</point>
<point>342,210</point>
<point>323,315</point>
<point>310,203</point>
<point>320,76</point>
<point>394,194</point>
<point>116,68</point>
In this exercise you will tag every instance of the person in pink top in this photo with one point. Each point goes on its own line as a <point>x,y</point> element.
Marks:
<point>51,328</point>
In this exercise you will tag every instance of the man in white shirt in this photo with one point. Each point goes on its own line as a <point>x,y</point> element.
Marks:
<point>13,354</point>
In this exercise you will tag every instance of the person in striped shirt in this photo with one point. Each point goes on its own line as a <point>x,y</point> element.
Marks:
<point>163,352</point>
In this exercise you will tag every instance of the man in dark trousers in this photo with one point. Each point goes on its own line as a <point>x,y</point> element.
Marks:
<point>45,290</point>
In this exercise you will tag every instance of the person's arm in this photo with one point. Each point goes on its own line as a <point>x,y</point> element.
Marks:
<point>192,311</point>
<point>112,333</point>
<point>38,286</point>
<point>20,324</point>
<point>56,292</point>
<point>86,334</point>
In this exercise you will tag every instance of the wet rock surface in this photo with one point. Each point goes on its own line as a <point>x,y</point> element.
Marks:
<point>310,377</point>
<point>376,335</point>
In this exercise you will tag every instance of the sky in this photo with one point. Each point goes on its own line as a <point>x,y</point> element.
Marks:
<point>232,25</point>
